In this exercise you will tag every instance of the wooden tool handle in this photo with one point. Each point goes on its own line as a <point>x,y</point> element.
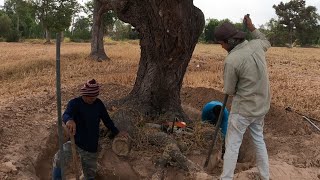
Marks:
<point>74,157</point>
<point>216,130</point>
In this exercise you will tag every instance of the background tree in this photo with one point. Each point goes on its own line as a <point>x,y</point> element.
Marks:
<point>97,45</point>
<point>276,33</point>
<point>123,31</point>
<point>109,17</point>
<point>308,30</point>
<point>81,30</point>
<point>210,28</point>
<point>43,14</point>
<point>213,23</point>
<point>103,19</point>
<point>5,22</point>
<point>317,40</point>
<point>22,17</point>
<point>55,15</point>
<point>299,20</point>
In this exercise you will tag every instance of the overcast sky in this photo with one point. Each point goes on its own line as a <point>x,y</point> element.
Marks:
<point>260,11</point>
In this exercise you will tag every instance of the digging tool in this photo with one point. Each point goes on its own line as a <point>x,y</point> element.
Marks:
<point>173,122</point>
<point>74,154</point>
<point>304,117</point>
<point>179,127</point>
<point>217,130</point>
<point>307,119</point>
<point>74,157</point>
<point>176,127</point>
<point>291,110</point>
<point>245,23</point>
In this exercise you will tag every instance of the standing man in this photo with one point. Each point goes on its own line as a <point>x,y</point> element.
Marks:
<point>246,78</point>
<point>82,118</point>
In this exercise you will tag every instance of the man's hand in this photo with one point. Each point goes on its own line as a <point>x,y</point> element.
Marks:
<point>71,125</point>
<point>123,134</point>
<point>119,135</point>
<point>249,23</point>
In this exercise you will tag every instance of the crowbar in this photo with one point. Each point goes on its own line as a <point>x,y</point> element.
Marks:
<point>305,118</point>
<point>291,110</point>
<point>217,130</point>
<point>74,157</point>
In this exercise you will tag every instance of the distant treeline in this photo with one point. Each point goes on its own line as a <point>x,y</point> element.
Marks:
<point>297,24</point>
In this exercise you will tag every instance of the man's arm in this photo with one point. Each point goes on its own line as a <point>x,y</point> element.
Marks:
<point>107,121</point>
<point>230,79</point>
<point>256,34</point>
<point>68,118</point>
<point>69,112</point>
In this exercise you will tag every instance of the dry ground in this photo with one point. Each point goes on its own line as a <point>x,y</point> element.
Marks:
<point>28,111</point>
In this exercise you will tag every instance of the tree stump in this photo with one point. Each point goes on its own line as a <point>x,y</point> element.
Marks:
<point>121,146</point>
<point>124,120</point>
<point>173,147</point>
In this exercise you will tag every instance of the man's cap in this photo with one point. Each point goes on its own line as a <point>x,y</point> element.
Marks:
<point>226,31</point>
<point>90,88</point>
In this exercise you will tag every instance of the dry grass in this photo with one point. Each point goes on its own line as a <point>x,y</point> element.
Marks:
<point>29,69</point>
<point>294,75</point>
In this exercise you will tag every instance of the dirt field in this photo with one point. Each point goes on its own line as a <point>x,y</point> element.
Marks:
<point>28,105</point>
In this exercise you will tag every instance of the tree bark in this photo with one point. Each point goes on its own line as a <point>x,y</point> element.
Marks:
<point>18,23</point>
<point>169,31</point>
<point>62,36</point>
<point>97,45</point>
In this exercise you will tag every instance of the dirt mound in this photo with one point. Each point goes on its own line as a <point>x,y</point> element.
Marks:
<point>282,171</point>
<point>28,141</point>
<point>288,136</point>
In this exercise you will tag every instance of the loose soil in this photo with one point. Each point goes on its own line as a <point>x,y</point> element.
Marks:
<point>292,143</point>
<point>28,133</point>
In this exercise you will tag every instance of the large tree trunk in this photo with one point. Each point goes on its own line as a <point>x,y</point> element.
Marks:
<point>97,45</point>
<point>169,31</point>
